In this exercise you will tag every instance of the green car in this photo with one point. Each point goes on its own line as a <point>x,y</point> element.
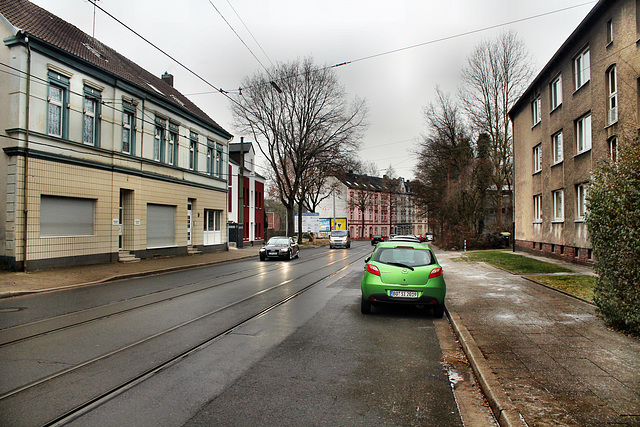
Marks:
<point>403,273</point>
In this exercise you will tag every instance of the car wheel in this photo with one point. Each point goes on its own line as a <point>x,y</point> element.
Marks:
<point>298,254</point>
<point>263,258</point>
<point>438,312</point>
<point>365,307</point>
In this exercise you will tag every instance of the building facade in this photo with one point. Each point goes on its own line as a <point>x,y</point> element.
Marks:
<point>583,102</point>
<point>253,190</point>
<point>99,156</point>
<point>372,205</point>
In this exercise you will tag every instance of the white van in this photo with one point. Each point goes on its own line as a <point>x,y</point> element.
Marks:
<point>340,239</point>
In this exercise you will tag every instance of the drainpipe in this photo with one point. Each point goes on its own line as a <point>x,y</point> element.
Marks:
<point>26,157</point>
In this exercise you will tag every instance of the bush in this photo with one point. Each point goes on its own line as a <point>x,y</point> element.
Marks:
<point>613,221</point>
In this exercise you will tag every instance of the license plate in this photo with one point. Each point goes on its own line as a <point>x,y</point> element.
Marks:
<point>273,253</point>
<point>404,294</point>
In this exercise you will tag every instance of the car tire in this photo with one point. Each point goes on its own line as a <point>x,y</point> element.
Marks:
<point>263,258</point>
<point>298,254</point>
<point>438,311</point>
<point>365,307</point>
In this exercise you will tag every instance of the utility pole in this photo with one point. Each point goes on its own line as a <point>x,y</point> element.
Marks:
<point>240,236</point>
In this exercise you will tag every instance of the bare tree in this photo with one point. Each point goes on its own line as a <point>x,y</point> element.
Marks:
<point>496,74</point>
<point>299,116</point>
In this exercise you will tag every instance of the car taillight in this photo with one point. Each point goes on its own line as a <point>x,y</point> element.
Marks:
<point>373,269</point>
<point>435,272</point>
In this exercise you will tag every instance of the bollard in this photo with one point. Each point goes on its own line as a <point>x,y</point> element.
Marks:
<point>465,245</point>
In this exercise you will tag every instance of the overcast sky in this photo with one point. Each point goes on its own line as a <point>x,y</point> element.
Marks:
<point>396,86</point>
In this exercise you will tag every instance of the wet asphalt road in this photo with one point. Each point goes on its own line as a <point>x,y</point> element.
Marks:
<point>313,360</point>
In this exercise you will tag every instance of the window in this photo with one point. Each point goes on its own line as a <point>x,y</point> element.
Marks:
<point>128,128</point>
<point>211,157</point>
<point>556,142</point>
<point>537,208</point>
<point>609,31</point>
<point>537,158</point>
<point>556,92</point>
<point>159,140</point>
<point>558,205</point>
<point>613,149</point>
<point>66,216</point>
<point>57,100</point>
<point>582,68</point>
<point>583,134</point>
<point>172,144</point>
<point>219,160</point>
<point>91,117</point>
<point>193,151</point>
<point>581,196</point>
<point>612,83</point>
<point>535,111</point>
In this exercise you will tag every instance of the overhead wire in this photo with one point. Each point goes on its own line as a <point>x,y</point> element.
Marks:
<point>238,35</point>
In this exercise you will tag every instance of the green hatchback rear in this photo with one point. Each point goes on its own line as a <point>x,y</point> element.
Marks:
<point>403,273</point>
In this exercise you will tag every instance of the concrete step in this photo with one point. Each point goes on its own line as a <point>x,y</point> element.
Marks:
<point>127,257</point>
<point>193,251</point>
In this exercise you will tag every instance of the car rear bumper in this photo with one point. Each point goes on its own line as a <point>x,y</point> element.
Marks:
<point>384,298</point>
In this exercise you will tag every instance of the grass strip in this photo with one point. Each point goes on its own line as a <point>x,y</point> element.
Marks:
<point>515,263</point>
<point>579,286</point>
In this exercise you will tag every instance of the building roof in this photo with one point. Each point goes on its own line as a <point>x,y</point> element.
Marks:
<point>370,183</point>
<point>42,25</point>
<point>234,147</point>
<point>585,25</point>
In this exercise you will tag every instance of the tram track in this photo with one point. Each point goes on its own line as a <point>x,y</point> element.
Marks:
<point>167,346</point>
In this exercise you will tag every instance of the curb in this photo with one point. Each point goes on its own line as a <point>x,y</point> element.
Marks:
<point>503,408</point>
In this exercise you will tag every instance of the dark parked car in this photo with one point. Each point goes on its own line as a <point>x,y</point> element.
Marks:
<point>376,238</point>
<point>280,247</point>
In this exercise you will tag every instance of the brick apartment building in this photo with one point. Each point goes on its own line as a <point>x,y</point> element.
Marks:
<point>574,114</point>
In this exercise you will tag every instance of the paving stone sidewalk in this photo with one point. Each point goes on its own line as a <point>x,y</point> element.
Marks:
<point>551,357</point>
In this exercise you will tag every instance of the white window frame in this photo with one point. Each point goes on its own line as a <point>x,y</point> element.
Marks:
<point>583,134</point>
<point>536,113</point>
<point>582,192</point>
<point>537,208</point>
<point>90,106</point>
<point>609,31</point>
<point>613,149</point>
<point>127,131</point>
<point>158,140</point>
<point>582,68</point>
<point>55,104</point>
<point>537,158</point>
<point>557,147</point>
<point>556,92</point>
<point>612,89</point>
<point>558,206</point>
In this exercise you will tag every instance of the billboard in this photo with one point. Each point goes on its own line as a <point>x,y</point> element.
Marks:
<point>310,222</point>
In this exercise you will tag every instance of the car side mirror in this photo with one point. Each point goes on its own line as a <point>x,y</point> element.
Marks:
<point>366,260</point>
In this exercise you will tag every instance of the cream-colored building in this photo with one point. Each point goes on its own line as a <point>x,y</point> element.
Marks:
<point>573,115</point>
<point>99,156</point>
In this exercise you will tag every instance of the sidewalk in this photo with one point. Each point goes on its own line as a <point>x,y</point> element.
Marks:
<point>13,284</point>
<point>541,356</point>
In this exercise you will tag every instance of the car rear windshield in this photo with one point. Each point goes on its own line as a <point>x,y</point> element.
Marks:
<point>339,233</point>
<point>404,255</point>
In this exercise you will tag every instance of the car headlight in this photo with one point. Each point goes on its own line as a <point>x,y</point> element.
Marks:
<point>262,250</point>
<point>284,250</point>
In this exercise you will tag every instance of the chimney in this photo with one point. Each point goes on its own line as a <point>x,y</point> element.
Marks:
<point>167,78</point>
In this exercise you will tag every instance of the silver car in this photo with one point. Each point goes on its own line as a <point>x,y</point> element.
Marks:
<point>340,239</point>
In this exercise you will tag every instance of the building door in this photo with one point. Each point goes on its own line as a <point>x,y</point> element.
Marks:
<point>212,227</point>
<point>189,223</point>
<point>120,220</point>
